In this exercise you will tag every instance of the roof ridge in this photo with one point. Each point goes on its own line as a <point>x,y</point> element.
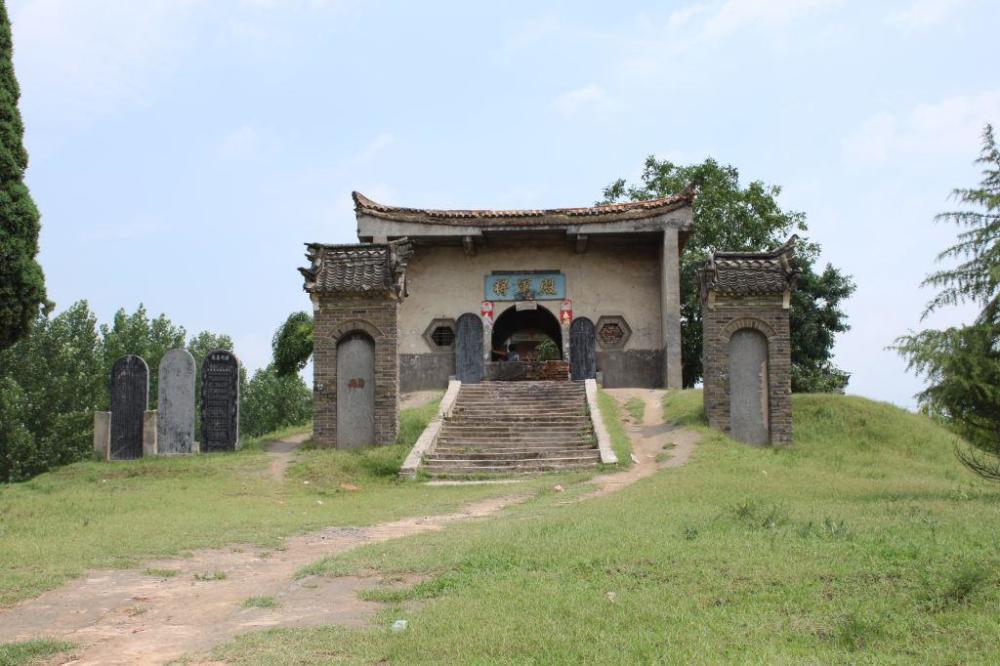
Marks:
<point>622,210</point>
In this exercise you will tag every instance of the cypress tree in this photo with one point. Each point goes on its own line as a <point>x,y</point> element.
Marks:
<point>22,284</point>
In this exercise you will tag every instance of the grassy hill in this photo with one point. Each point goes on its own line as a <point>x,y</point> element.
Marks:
<point>864,542</point>
<point>95,515</point>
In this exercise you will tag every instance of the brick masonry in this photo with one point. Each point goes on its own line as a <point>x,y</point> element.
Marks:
<point>721,317</point>
<point>334,317</point>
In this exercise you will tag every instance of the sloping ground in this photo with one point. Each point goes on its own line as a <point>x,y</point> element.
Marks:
<point>866,542</point>
<point>515,427</point>
<point>191,604</point>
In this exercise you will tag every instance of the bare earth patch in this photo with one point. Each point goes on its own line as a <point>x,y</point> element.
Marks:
<point>281,453</point>
<point>133,616</point>
<point>648,440</point>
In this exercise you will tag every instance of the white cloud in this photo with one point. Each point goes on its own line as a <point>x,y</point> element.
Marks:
<point>242,143</point>
<point>949,127</point>
<point>81,60</point>
<point>591,97</point>
<point>924,13</point>
<point>735,15</point>
<point>376,146</point>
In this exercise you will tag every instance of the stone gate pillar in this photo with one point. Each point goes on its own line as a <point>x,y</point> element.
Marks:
<point>670,308</point>
<point>356,291</point>
<point>746,353</point>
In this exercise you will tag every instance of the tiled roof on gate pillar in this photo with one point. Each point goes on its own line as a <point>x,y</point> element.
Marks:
<point>631,210</point>
<point>364,268</point>
<point>749,273</point>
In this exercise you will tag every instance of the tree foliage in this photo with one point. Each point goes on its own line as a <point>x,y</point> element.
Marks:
<point>51,382</point>
<point>962,364</point>
<point>292,344</point>
<point>272,401</point>
<point>733,217</point>
<point>137,334</point>
<point>22,284</point>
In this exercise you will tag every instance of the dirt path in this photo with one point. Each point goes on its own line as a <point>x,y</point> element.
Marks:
<point>649,439</point>
<point>132,617</point>
<point>281,453</point>
<point>140,616</point>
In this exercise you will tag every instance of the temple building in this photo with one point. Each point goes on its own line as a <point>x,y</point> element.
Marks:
<point>464,293</point>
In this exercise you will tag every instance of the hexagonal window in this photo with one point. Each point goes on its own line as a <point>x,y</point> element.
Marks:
<point>440,335</point>
<point>443,336</point>
<point>613,332</point>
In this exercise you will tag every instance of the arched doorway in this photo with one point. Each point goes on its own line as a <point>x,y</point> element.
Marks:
<point>355,391</point>
<point>524,333</point>
<point>749,416</point>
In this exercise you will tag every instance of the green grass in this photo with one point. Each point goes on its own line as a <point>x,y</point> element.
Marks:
<point>636,409</point>
<point>260,602</point>
<point>95,515</point>
<point>161,573</point>
<point>257,443</point>
<point>210,576</point>
<point>864,542</point>
<point>31,652</point>
<point>611,412</point>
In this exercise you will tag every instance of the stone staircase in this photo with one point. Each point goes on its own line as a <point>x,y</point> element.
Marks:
<point>514,428</point>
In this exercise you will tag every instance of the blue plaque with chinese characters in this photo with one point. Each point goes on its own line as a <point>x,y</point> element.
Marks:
<point>525,287</point>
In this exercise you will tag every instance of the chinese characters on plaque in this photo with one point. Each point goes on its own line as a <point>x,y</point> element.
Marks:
<point>525,287</point>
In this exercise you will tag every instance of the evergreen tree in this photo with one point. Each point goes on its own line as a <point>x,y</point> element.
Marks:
<point>22,285</point>
<point>962,364</point>
<point>736,218</point>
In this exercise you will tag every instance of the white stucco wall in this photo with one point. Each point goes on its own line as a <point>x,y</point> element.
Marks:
<point>607,279</point>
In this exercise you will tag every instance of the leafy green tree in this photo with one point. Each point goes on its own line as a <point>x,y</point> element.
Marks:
<point>962,364</point>
<point>292,344</point>
<point>272,401</point>
<point>137,334</point>
<point>22,284</point>
<point>738,218</point>
<point>51,382</point>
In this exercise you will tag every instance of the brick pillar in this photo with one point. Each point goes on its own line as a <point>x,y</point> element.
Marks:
<point>741,292</point>
<point>335,317</point>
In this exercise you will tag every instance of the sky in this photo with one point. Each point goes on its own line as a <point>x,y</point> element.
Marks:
<point>182,151</point>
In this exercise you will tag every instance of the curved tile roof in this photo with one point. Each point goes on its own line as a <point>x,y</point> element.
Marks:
<point>750,273</point>
<point>630,210</point>
<point>355,269</point>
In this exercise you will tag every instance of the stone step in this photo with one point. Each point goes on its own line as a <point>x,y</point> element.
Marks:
<point>453,469</point>
<point>503,445</point>
<point>515,428</point>
<point>513,454</point>
<point>538,433</point>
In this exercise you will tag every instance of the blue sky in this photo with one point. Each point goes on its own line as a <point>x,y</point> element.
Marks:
<point>182,151</point>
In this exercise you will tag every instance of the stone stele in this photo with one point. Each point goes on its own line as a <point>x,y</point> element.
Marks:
<point>129,396</point>
<point>220,402</point>
<point>175,403</point>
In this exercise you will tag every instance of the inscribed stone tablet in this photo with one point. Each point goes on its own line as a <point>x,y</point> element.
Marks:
<point>220,401</point>
<point>129,397</point>
<point>175,421</point>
